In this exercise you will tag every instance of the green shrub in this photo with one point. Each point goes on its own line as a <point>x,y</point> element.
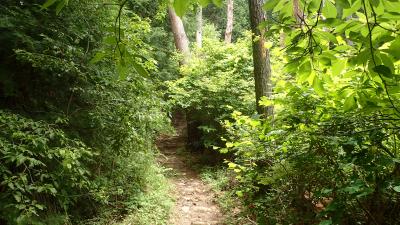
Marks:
<point>42,169</point>
<point>217,80</point>
<point>315,163</point>
<point>77,123</point>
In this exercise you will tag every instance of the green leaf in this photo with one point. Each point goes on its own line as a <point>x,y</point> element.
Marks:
<point>181,6</point>
<point>269,5</point>
<point>326,222</point>
<point>40,207</point>
<point>327,36</point>
<point>396,188</point>
<point>97,57</point>
<point>17,196</point>
<point>383,70</point>
<point>318,86</point>
<point>329,10</point>
<point>310,78</point>
<point>53,191</point>
<point>229,144</point>
<point>375,3</point>
<point>338,66</point>
<point>111,40</point>
<point>264,101</point>
<point>304,71</point>
<point>349,11</point>
<point>392,6</point>
<point>394,48</point>
<point>223,150</point>
<point>217,2</point>
<point>204,3</point>
<point>379,7</point>
<point>349,103</point>
<point>11,186</point>
<point>49,3</point>
<point>352,189</point>
<point>239,193</point>
<point>60,6</point>
<point>122,70</point>
<point>140,69</point>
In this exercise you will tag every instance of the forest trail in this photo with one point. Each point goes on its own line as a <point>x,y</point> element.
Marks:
<point>194,199</point>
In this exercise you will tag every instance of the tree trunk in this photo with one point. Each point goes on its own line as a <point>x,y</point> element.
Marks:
<point>181,40</point>
<point>229,21</point>
<point>199,26</point>
<point>182,46</point>
<point>297,13</point>
<point>261,58</point>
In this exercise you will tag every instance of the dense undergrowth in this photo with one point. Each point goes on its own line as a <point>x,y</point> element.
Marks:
<point>329,154</point>
<point>77,132</point>
<point>216,81</point>
<point>84,91</point>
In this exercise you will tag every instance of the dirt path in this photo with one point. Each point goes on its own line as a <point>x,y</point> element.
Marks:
<point>194,205</point>
<point>194,199</point>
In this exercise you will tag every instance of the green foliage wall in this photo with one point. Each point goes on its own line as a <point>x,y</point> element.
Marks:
<point>348,161</point>
<point>77,127</point>
<point>330,153</point>
<point>217,80</point>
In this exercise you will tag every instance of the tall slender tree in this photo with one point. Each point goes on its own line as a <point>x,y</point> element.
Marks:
<point>261,57</point>
<point>180,37</point>
<point>179,117</point>
<point>229,21</point>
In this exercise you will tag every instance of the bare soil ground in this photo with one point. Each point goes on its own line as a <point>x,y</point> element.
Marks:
<point>195,203</point>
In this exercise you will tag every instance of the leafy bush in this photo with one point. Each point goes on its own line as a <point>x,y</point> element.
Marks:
<point>217,80</point>
<point>316,163</point>
<point>42,169</point>
<point>329,155</point>
<point>77,122</point>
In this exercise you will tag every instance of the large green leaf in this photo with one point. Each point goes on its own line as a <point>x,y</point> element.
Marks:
<point>318,86</point>
<point>329,10</point>
<point>354,8</point>
<point>49,3</point>
<point>383,70</point>
<point>61,5</point>
<point>218,2</point>
<point>338,66</point>
<point>349,103</point>
<point>140,69</point>
<point>204,3</point>
<point>98,57</point>
<point>304,71</point>
<point>181,6</point>
<point>269,5</point>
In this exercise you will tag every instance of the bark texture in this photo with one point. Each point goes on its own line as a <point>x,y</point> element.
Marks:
<point>199,26</point>
<point>180,38</point>
<point>261,58</point>
<point>229,21</point>
<point>297,13</point>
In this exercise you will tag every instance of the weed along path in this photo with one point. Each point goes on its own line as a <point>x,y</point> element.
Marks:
<point>194,199</point>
